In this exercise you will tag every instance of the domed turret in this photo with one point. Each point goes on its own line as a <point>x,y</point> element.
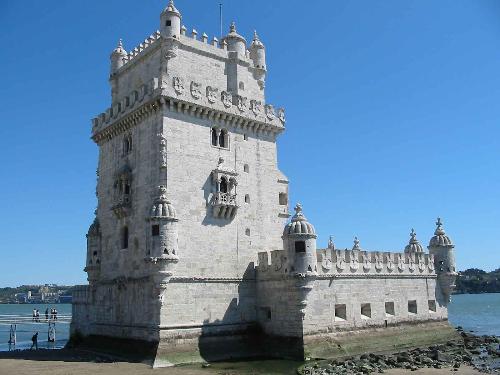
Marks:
<point>93,266</point>
<point>163,218</point>
<point>258,53</point>
<point>170,20</point>
<point>413,246</point>
<point>235,42</point>
<point>299,241</point>
<point>117,57</point>
<point>440,238</point>
<point>441,247</point>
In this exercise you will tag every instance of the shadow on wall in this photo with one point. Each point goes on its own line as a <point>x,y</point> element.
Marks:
<point>237,334</point>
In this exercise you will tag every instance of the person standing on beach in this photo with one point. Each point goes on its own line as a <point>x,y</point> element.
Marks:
<point>55,313</point>
<point>37,316</point>
<point>34,339</point>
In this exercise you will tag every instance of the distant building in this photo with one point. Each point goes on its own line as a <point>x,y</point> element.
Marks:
<point>190,248</point>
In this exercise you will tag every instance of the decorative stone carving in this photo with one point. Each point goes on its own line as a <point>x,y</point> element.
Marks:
<point>178,84</point>
<point>340,261</point>
<point>430,263</point>
<point>326,262</point>
<point>241,103</point>
<point>401,262</point>
<point>411,262</point>
<point>270,112</point>
<point>377,261</point>
<point>195,90</point>
<point>223,200</point>
<point>389,263</point>
<point>420,262</point>
<point>353,260</point>
<point>281,115</point>
<point>367,265</point>
<point>212,94</point>
<point>256,106</point>
<point>227,99</point>
<point>163,151</point>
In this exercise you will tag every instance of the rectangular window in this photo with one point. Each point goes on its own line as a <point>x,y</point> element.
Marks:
<point>168,23</point>
<point>155,230</point>
<point>432,305</point>
<point>283,199</point>
<point>366,311</point>
<point>340,312</point>
<point>300,246</point>
<point>389,309</point>
<point>412,307</point>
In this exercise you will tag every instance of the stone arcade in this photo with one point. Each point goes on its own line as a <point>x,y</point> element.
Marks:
<point>190,197</point>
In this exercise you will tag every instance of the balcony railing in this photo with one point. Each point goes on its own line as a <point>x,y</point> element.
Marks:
<point>224,205</point>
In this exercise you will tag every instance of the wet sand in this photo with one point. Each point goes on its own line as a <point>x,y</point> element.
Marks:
<point>72,362</point>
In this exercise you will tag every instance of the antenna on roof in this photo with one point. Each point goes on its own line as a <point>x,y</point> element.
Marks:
<point>220,19</point>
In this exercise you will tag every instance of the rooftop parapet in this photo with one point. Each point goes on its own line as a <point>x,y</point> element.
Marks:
<point>353,263</point>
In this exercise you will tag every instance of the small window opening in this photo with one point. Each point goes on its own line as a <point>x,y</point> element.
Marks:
<point>155,230</point>
<point>247,198</point>
<point>300,246</point>
<point>366,311</point>
<point>168,23</point>
<point>340,312</point>
<point>389,309</point>
<point>165,251</point>
<point>265,313</point>
<point>241,85</point>
<point>127,144</point>
<point>127,189</point>
<point>222,139</point>
<point>412,307</point>
<point>245,137</point>
<point>214,137</point>
<point>125,238</point>
<point>309,268</point>
<point>95,253</point>
<point>223,185</point>
<point>246,168</point>
<point>247,231</point>
<point>283,199</point>
<point>432,305</point>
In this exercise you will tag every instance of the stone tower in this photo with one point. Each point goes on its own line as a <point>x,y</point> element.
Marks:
<point>188,189</point>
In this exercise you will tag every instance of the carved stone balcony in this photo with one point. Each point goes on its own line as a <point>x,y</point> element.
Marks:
<point>224,205</point>
<point>122,206</point>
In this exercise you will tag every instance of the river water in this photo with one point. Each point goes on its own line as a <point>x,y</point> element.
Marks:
<point>479,313</point>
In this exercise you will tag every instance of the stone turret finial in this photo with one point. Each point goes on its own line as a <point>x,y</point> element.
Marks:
<point>232,27</point>
<point>440,238</point>
<point>171,7</point>
<point>331,245</point>
<point>299,215</point>
<point>356,244</point>
<point>413,245</point>
<point>299,224</point>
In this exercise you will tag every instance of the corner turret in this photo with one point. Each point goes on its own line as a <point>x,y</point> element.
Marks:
<point>170,21</point>
<point>93,267</point>
<point>441,247</point>
<point>117,57</point>
<point>235,42</point>
<point>299,242</point>
<point>258,53</point>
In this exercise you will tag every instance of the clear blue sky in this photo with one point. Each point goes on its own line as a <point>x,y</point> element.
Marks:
<point>393,112</point>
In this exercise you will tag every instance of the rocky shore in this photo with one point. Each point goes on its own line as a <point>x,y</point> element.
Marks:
<point>480,352</point>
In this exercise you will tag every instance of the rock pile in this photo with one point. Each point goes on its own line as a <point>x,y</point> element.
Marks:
<point>482,352</point>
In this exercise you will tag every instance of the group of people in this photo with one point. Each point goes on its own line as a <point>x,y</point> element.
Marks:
<point>52,314</point>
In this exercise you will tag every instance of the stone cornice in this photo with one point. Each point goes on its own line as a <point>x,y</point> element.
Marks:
<point>202,279</point>
<point>223,117</point>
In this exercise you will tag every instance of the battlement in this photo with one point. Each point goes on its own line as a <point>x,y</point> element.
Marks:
<point>353,263</point>
<point>142,47</point>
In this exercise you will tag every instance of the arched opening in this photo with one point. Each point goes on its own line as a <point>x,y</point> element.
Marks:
<point>214,137</point>
<point>223,185</point>
<point>125,237</point>
<point>127,144</point>
<point>222,138</point>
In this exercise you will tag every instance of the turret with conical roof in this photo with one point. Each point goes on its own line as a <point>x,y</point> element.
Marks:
<point>235,42</point>
<point>441,247</point>
<point>299,241</point>
<point>170,21</point>
<point>117,57</point>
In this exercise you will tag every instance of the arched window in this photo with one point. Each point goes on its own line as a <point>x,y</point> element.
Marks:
<point>223,185</point>
<point>222,138</point>
<point>124,237</point>
<point>214,137</point>
<point>127,144</point>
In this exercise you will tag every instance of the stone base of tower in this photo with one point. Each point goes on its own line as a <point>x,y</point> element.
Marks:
<point>378,340</point>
